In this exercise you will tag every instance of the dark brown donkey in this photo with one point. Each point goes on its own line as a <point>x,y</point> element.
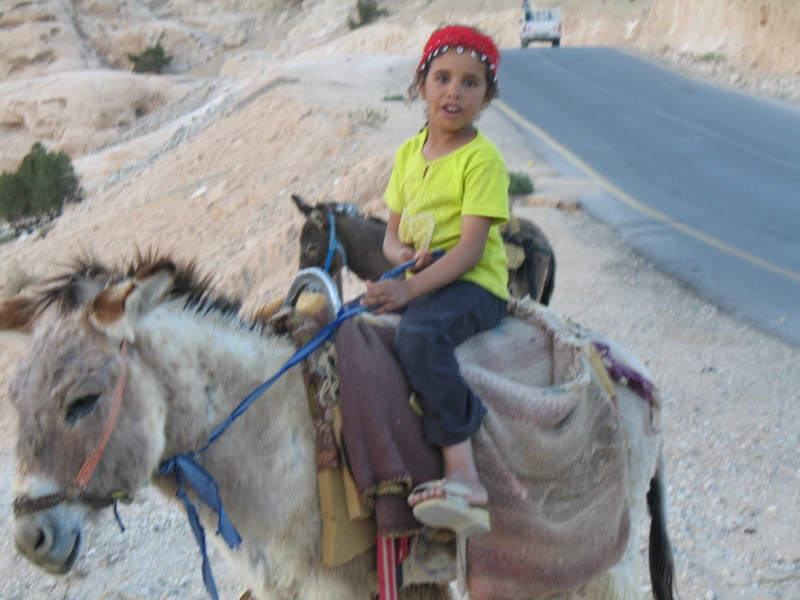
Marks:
<point>358,245</point>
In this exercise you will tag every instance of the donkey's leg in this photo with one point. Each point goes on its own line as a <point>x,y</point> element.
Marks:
<point>662,568</point>
<point>624,580</point>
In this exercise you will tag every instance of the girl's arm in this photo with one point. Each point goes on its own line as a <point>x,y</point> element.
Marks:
<point>396,252</point>
<point>394,294</point>
<point>463,256</point>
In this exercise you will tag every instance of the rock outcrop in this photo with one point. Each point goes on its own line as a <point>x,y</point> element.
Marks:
<point>65,75</point>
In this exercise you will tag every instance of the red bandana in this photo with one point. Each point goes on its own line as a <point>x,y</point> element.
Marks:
<point>461,38</point>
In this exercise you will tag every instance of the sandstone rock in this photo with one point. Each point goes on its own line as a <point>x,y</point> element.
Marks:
<point>79,111</point>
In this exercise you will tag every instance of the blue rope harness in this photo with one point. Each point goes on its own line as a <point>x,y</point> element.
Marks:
<point>187,470</point>
<point>333,244</point>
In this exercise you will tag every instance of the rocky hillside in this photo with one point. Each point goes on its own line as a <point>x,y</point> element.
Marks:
<point>761,34</point>
<point>58,58</point>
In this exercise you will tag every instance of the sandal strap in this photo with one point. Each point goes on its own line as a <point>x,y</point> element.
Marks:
<point>455,492</point>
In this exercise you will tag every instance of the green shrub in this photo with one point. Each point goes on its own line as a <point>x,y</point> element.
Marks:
<point>37,191</point>
<point>14,197</point>
<point>394,98</point>
<point>371,117</point>
<point>151,60</point>
<point>520,184</point>
<point>368,12</point>
<point>712,57</point>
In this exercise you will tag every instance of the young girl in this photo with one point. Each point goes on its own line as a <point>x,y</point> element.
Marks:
<point>448,190</point>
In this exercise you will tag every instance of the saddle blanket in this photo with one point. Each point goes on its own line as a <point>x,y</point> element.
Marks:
<point>551,450</point>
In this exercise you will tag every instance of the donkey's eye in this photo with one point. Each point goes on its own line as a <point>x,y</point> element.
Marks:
<point>81,407</point>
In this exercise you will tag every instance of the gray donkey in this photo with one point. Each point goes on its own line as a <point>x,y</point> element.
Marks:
<point>358,246</point>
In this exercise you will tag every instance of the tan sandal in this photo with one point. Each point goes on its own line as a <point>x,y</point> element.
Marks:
<point>453,511</point>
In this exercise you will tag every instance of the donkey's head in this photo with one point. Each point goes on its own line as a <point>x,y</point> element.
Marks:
<point>315,237</point>
<point>63,391</point>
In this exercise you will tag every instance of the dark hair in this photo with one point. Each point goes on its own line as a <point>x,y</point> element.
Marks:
<point>492,87</point>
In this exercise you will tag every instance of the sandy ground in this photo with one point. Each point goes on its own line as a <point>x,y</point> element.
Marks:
<point>218,187</point>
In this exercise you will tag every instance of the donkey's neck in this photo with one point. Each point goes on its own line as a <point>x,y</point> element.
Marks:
<point>362,241</point>
<point>265,463</point>
<point>206,363</point>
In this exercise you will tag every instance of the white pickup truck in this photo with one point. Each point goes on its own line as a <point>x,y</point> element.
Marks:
<point>540,25</point>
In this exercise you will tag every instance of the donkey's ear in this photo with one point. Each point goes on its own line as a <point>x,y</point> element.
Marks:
<point>151,289</point>
<point>116,310</point>
<point>304,208</point>
<point>18,313</point>
<point>318,218</point>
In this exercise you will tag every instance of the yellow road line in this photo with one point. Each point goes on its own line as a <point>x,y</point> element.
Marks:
<point>639,206</point>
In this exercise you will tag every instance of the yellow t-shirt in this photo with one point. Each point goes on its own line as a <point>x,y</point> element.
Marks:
<point>433,195</point>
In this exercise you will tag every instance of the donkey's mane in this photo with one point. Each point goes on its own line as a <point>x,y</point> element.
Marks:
<point>65,290</point>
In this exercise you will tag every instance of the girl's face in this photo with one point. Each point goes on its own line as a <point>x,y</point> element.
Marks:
<point>455,90</point>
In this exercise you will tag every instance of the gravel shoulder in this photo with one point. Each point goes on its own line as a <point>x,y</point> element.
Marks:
<point>730,418</point>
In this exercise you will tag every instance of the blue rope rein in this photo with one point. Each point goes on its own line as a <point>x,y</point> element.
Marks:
<point>334,245</point>
<point>186,469</point>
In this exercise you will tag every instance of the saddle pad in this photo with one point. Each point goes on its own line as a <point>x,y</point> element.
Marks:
<point>551,452</point>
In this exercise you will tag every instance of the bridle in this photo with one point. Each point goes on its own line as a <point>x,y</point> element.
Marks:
<point>184,467</point>
<point>77,491</point>
<point>333,243</point>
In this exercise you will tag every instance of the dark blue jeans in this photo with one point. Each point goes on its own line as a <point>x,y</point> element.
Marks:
<point>425,342</point>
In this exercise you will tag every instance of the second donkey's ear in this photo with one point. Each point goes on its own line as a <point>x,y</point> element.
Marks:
<point>318,218</point>
<point>304,208</point>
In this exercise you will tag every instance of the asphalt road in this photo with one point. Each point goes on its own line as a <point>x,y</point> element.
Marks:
<point>702,181</point>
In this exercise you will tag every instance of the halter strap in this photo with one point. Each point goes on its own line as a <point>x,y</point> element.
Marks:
<point>77,491</point>
<point>87,470</point>
<point>333,244</point>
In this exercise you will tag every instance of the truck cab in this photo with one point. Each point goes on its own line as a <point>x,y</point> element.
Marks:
<point>540,25</point>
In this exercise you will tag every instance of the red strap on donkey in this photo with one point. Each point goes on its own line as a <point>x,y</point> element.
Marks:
<point>87,470</point>
<point>391,554</point>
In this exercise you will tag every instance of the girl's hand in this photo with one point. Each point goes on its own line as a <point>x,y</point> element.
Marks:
<point>387,295</point>
<point>405,254</point>
<point>424,259</point>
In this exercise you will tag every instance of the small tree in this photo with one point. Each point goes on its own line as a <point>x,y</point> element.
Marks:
<point>39,188</point>
<point>14,197</point>
<point>368,12</point>
<point>152,60</point>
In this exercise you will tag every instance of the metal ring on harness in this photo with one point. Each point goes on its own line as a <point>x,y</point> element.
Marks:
<point>314,279</point>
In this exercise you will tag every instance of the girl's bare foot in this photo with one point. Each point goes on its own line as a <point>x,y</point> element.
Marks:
<point>460,469</point>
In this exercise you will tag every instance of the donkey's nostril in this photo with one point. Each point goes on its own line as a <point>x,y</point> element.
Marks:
<point>33,538</point>
<point>40,540</point>
<point>48,542</point>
